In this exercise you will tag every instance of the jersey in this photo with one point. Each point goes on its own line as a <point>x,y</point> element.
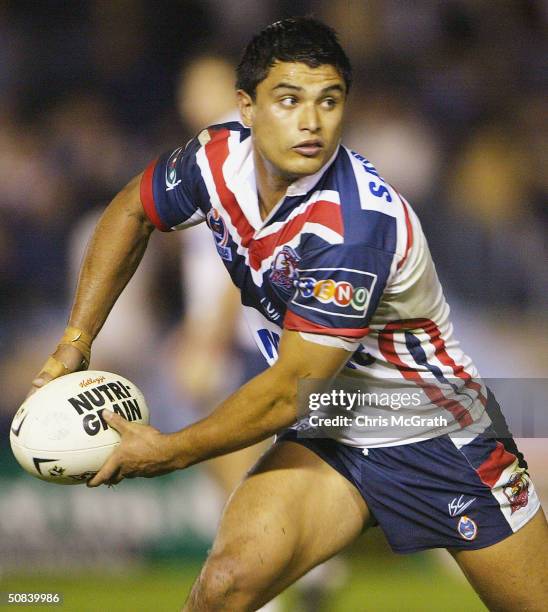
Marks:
<point>342,259</point>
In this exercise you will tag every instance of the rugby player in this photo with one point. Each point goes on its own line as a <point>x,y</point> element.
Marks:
<point>335,275</point>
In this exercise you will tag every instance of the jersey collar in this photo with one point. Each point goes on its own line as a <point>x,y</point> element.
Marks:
<point>239,174</point>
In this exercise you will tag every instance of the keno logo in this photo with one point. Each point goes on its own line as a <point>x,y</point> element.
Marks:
<point>342,293</point>
<point>348,297</point>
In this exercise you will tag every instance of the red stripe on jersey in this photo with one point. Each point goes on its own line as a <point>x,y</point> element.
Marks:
<point>294,322</point>
<point>217,151</point>
<point>491,469</point>
<point>409,229</point>
<point>322,212</point>
<point>388,349</point>
<point>147,197</point>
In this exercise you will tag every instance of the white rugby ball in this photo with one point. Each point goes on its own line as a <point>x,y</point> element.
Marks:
<point>58,433</point>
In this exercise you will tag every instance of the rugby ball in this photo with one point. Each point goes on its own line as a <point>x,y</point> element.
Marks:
<point>59,435</point>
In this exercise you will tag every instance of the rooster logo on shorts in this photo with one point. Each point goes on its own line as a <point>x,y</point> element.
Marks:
<point>517,490</point>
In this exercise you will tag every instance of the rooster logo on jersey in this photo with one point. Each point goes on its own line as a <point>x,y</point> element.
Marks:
<point>517,490</point>
<point>283,271</point>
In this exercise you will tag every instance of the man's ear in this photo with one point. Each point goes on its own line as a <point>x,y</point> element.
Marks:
<point>245,106</point>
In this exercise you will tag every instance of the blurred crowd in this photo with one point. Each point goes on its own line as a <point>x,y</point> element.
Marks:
<point>448,103</point>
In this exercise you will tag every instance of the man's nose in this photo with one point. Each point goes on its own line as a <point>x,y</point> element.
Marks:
<point>309,118</point>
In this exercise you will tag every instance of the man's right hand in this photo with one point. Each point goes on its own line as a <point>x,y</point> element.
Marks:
<point>72,355</point>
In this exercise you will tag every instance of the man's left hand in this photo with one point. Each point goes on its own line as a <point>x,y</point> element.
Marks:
<point>143,451</point>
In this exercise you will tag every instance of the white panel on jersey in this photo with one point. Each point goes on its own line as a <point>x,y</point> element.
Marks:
<point>203,164</point>
<point>334,341</point>
<point>239,175</point>
<point>265,333</point>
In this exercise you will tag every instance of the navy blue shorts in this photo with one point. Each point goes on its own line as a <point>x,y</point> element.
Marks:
<point>444,492</point>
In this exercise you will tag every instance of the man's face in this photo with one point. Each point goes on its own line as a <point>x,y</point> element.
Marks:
<point>296,117</point>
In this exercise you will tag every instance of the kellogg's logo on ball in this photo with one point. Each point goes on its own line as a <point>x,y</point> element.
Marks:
<point>336,291</point>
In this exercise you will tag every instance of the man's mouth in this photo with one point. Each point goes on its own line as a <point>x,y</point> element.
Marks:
<point>309,148</point>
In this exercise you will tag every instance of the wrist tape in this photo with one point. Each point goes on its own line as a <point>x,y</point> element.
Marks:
<point>78,338</point>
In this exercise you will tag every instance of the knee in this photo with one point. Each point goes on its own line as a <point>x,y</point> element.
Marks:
<point>226,583</point>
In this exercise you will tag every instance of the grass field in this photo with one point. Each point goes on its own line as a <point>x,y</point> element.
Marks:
<point>415,583</point>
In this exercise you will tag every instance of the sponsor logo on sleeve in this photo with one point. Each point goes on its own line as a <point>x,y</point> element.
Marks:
<point>171,169</point>
<point>343,292</point>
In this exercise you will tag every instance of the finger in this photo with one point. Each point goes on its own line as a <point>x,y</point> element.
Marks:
<point>115,421</point>
<point>53,368</point>
<point>116,478</point>
<point>43,378</point>
<point>109,472</point>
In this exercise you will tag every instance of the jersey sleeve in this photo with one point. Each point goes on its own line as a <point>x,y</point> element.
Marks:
<point>170,191</point>
<point>337,290</point>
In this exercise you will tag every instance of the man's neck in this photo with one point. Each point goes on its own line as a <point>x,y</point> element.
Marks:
<point>271,187</point>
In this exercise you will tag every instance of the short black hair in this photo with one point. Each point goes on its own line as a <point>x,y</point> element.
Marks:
<point>297,39</point>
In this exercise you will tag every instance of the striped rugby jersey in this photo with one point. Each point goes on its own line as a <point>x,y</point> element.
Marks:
<point>342,259</point>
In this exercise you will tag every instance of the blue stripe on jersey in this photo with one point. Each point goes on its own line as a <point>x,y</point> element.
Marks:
<point>417,352</point>
<point>233,126</point>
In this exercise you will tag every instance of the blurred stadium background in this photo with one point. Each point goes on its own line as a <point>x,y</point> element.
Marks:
<point>449,104</point>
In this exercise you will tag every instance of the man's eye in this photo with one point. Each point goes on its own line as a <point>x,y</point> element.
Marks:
<point>329,103</point>
<point>288,101</point>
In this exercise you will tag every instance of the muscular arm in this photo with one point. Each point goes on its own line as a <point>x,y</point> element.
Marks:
<point>113,254</point>
<point>262,407</point>
<point>265,405</point>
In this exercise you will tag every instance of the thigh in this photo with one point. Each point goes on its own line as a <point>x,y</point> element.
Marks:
<point>512,574</point>
<point>292,512</point>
